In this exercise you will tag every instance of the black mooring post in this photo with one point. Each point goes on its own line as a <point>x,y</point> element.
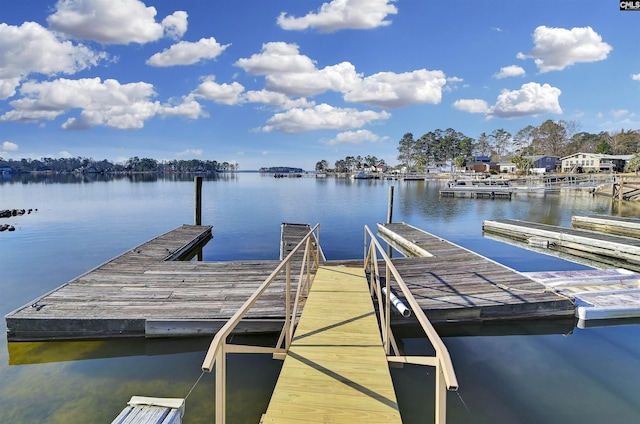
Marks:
<point>198,200</point>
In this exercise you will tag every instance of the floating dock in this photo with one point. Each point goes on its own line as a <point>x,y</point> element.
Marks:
<point>588,247</point>
<point>599,293</point>
<point>454,284</point>
<point>612,291</point>
<point>489,192</point>
<point>621,226</point>
<point>148,292</point>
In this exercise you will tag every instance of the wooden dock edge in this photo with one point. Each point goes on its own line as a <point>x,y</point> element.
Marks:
<point>203,327</point>
<point>628,227</point>
<point>614,252</point>
<point>19,329</point>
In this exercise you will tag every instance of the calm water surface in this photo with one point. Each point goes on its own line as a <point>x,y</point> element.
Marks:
<point>519,374</point>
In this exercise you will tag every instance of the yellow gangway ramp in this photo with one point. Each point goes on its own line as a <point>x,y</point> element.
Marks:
<point>336,370</point>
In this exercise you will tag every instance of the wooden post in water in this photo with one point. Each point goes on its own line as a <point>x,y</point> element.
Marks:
<point>620,192</point>
<point>390,208</point>
<point>198,200</point>
<point>390,218</point>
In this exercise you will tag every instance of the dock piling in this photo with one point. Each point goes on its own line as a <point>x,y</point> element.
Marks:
<point>390,207</point>
<point>198,200</point>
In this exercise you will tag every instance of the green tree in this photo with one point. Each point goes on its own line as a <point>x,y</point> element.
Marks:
<point>603,147</point>
<point>407,150</point>
<point>523,140</point>
<point>551,138</point>
<point>322,165</point>
<point>482,146</point>
<point>625,143</point>
<point>633,165</point>
<point>500,141</point>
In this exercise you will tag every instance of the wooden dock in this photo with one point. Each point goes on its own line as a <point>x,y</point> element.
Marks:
<point>621,226</point>
<point>595,249</point>
<point>489,192</point>
<point>336,368</point>
<point>147,292</point>
<point>455,284</point>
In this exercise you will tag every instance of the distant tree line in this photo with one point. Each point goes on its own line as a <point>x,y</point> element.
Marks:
<point>134,164</point>
<point>350,164</point>
<point>551,138</point>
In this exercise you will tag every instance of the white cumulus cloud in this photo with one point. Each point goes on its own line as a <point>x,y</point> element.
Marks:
<point>510,71</point>
<point>228,94</point>
<point>277,57</point>
<point>32,49</point>
<point>8,146</point>
<point>557,48</point>
<point>115,21</point>
<point>321,117</point>
<point>108,103</point>
<point>273,98</point>
<point>531,99</point>
<point>187,53</point>
<point>355,137</point>
<point>343,14</point>
<point>391,90</point>
<point>472,105</point>
<point>635,77</point>
<point>288,72</point>
<point>340,78</point>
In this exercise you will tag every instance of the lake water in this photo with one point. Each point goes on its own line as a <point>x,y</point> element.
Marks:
<point>515,374</point>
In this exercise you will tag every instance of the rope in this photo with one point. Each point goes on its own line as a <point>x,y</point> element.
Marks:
<point>194,386</point>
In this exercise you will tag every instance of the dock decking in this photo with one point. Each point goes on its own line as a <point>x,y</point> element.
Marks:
<point>489,192</point>
<point>594,249</point>
<point>336,369</point>
<point>146,292</point>
<point>455,284</point>
<point>628,227</point>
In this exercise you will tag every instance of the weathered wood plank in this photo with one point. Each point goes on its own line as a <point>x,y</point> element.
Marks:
<point>481,289</point>
<point>614,250</point>
<point>622,226</point>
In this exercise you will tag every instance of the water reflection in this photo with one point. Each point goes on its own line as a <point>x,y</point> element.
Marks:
<point>80,178</point>
<point>551,372</point>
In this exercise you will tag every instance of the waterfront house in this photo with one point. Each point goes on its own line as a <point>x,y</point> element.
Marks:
<point>543,163</point>
<point>507,167</point>
<point>594,162</point>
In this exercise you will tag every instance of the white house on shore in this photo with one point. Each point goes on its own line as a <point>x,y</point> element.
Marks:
<point>594,162</point>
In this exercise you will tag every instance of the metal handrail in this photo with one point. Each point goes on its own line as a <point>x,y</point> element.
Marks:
<point>216,355</point>
<point>445,374</point>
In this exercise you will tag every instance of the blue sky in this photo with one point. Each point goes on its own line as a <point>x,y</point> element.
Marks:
<point>288,83</point>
